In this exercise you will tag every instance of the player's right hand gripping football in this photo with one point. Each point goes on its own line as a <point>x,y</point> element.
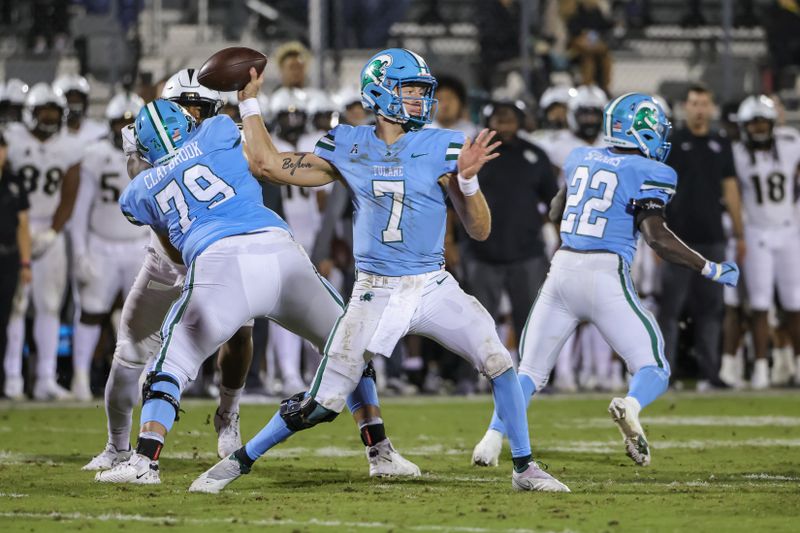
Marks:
<point>726,272</point>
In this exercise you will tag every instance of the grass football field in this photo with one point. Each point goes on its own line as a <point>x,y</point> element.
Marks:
<point>725,462</point>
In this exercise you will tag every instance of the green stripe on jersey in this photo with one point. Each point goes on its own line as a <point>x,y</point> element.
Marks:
<point>452,157</point>
<point>177,319</point>
<point>325,146</point>
<point>455,145</point>
<point>647,325</point>
<point>661,184</point>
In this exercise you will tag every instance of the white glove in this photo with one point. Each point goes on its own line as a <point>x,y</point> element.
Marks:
<point>129,140</point>
<point>41,241</point>
<point>85,270</point>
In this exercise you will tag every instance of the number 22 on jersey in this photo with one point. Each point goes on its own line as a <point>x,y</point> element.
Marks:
<point>588,197</point>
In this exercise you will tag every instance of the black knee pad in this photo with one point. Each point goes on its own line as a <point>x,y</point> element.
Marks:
<point>302,412</point>
<point>369,372</point>
<point>149,394</point>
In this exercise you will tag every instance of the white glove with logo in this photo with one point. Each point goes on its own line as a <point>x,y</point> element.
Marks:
<point>41,241</point>
<point>129,140</point>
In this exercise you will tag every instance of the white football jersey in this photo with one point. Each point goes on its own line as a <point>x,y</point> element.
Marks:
<point>42,167</point>
<point>768,179</point>
<point>560,144</point>
<point>300,206</point>
<point>90,131</point>
<point>104,171</point>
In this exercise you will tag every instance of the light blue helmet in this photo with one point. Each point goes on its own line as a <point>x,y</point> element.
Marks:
<point>637,120</point>
<point>161,128</point>
<point>382,79</point>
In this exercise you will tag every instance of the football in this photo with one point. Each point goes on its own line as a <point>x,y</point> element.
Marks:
<point>229,69</point>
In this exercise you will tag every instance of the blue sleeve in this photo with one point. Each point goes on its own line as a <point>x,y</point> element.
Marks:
<point>455,141</point>
<point>134,205</point>
<point>659,182</point>
<point>221,133</point>
<point>326,145</point>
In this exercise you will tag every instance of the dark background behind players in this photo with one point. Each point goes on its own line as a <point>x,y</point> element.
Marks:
<point>706,179</point>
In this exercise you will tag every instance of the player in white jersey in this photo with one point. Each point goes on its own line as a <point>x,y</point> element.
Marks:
<point>767,166</point>
<point>12,101</point>
<point>75,89</point>
<point>47,163</point>
<point>107,248</point>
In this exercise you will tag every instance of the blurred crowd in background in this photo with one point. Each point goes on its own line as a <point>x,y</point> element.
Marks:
<point>542,89</point>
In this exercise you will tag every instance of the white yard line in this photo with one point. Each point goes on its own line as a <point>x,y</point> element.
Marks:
<point>313,522</point>
<point>729,421</point>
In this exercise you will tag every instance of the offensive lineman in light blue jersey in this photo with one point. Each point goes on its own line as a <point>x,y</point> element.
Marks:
<point>612,194</point>
<point>399,175</point>
<point>242,263</point>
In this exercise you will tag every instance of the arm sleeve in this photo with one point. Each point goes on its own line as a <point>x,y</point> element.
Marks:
<point>455,143</point>
<point>659,184</point>
<point>326,145</point>
<point>133,204</point>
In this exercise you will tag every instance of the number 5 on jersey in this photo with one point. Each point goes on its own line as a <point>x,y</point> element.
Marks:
<point>587,200</point>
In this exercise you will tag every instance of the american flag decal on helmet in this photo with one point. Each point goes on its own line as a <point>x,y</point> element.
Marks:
<point>617,126</point>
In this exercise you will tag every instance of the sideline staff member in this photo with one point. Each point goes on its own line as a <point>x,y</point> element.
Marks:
<point>15,247</point>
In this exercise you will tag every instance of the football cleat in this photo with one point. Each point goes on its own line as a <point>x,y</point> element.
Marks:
<point>229,439</point>
<point>216,478</point>
<point>47,390</point>
<point>487,451</point>
<point>782,366</point>
<point>108,458</point>
<point>534,478</point>
<point>138,469</point>
<point>14,388</point>
<point>385,461</point>
<point>729,372</point>
<point>80,387</point>
<point>625,412</point>
<point>760,377</point>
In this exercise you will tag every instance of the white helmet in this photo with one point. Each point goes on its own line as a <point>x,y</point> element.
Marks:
<point>124,106</point>
<point>15,92</point>
<point>756,106</point>
<point>587,98</point>
<point>557,94</point>
<point>40,95</point>
<point>72,82</point>
<point>319,102</point>
<point>289,100</point>
<point>184,89</point>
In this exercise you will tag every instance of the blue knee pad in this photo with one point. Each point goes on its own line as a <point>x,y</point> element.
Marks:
<point>161,396</point>
<point>366,392</point>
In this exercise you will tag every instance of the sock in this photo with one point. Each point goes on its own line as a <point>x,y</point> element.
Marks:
<point>528,389</point>
<point>122,393</point>
<point>372,431</point>
<point>270,436</point>
<point>160,410</point>
<point>229,399</point>
<point>511,407</point>
<point>12,363</point>
<point>150,444</point>
<point>83,345</point>
<point>522,463</point>
<point>45,331</point>
<point>366,393</point>
<point>245,463</point>
<point>648,383</point>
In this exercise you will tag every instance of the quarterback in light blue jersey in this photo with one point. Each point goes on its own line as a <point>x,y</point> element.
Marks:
<point>613,193</point>
<point>399,176</point>
<point>242,263</point>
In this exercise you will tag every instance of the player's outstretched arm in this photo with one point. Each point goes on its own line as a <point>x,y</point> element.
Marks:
<point>69,193</point>
<point>670,248</point>
<point>467,198</point>
<point>266,162</point>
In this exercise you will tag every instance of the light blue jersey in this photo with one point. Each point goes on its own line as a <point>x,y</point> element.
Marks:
<point>203,194</point>
<point>400,209</point>
<point>601,184</point>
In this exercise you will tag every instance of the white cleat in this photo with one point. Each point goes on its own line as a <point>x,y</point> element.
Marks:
<point>534,478</point>
<point>487,451</point>
<point>139,470</point>
<point>108,458</point>
<point>625,412</point>
<point>216,478</point>
<point>48,390</point>
<point>14,388</point>
<point>80,387</point>
<point>782,366</point>
<point>385,461</point>
<point>729,372</point>
<point>760,377</point>
<point>229,439</point>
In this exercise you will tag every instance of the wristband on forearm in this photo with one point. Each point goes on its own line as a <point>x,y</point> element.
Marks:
<point>249,107</point>
<point>469,187</point>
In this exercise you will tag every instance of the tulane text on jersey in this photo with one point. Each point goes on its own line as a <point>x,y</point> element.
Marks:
<point>203,194</point>
<point>601,186</point>
<point>400,208</point>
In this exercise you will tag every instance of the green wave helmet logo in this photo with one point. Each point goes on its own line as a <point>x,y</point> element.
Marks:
<point>646,118</point>
<point>376,70</point>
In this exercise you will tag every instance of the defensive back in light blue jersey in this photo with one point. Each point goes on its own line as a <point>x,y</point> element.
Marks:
<point>400,209</point>
<point>601,186</point>
<point>203,194</point>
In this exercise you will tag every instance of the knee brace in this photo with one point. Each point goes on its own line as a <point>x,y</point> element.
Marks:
<point>161,392</point>
<point>302,412</point>
<point>496,363</point>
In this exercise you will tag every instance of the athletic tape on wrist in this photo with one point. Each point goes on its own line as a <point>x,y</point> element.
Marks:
<point>249,107</point>
<point>468,186</point>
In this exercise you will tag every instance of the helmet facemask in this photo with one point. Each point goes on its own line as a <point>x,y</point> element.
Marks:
<point>758,132</point>
<point>47,119</point>
<point>588,123</point>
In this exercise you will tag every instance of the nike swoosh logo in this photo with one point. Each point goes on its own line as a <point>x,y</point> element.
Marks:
<point>140,476</point>
<point>726,271</point>
<point>413,156</point>
<point>440,281</point>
